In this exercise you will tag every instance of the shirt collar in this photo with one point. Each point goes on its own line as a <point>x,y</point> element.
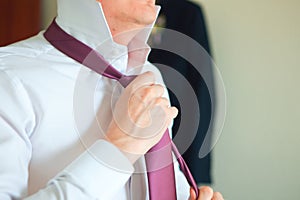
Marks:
<point>85,20</point>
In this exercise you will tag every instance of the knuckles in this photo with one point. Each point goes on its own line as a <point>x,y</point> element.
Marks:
<point>162,101</point>
<point>152,91</point>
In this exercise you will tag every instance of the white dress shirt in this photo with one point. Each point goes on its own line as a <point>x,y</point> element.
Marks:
<point>46,154</point>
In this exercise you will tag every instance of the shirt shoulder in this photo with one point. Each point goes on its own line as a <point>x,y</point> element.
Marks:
<point>17,107</point>
<point>30,48</point>
<point>34,53</point>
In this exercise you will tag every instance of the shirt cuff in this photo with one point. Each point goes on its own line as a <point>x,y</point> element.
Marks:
<point>101,170</point>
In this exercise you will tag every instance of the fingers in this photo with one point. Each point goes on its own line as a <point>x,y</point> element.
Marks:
<point>205,193</point>
<point>217,196</point>
<point>173,112</point>
<point>164,104</point>
<point>192,194</point>
<point>146,107</point>
<point>147,93</point>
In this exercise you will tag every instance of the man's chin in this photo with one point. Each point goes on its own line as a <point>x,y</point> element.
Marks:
<point>152,14</point>
<point>149,20</point>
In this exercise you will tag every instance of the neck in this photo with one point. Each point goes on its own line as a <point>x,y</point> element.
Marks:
<point>123,36</point>
<point>123,32</point>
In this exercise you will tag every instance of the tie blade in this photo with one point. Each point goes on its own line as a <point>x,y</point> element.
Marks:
<point>161,175</point>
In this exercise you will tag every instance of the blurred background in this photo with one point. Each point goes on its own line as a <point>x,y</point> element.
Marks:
<point>256,46</point>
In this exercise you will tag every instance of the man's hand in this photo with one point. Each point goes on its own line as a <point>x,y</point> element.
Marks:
<point>205,193</point>
<point>140,118</point>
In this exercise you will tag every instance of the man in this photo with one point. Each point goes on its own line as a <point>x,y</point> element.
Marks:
<point>50,147</point>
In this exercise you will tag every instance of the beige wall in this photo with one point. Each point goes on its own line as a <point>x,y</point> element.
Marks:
<point>48,12</point>
<point>256,47</point>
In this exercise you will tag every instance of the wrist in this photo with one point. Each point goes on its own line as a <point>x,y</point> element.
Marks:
<point>132,157</point>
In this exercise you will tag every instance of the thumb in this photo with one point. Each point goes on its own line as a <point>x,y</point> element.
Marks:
<point>192,194</point>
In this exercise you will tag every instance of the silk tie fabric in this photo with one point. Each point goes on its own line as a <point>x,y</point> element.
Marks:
<point>159,161</point>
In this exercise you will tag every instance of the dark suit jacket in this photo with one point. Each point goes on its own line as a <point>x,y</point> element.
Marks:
<point>187,18</point>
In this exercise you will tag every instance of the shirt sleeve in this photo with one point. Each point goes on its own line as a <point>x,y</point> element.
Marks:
<point>96,174</point>
<point>16,120</point>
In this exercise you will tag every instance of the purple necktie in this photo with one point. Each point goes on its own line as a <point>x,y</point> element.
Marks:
<point>159,163</point>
